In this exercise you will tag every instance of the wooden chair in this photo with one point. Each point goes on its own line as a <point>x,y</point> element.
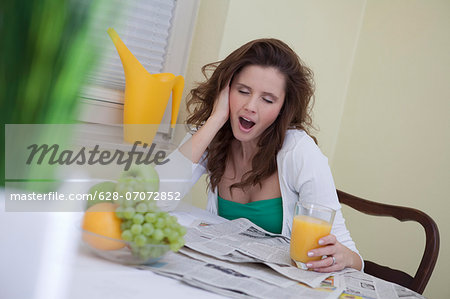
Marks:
<point>430,255</point>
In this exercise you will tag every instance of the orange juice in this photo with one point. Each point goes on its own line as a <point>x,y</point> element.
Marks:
<point>306,232</point>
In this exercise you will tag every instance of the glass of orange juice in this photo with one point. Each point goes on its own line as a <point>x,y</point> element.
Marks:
<point>311,222</point>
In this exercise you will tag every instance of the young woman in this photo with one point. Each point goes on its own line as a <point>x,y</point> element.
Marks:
<point>251,121</point>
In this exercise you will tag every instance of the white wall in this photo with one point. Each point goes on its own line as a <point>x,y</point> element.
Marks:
<point>323,33</point>
<point>394,142</point>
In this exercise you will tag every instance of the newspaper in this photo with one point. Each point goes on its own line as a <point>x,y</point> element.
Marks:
<point>223,278</point>
<point>260,271</point>
<point>238,259</point>
<point>242,241</point>
<point>192,216</point>
<point>211,288</point>
<point>357,283</point>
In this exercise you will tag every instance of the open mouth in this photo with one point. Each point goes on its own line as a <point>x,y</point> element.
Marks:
<point>246,123</point>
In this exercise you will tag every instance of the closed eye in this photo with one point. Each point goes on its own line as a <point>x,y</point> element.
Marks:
<point>268,100</point>
<point>244,92</point>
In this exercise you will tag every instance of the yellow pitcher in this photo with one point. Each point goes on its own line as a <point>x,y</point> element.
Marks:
<point>146,96</point>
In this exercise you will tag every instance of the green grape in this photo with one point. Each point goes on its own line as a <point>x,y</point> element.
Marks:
<point>151,205</point>
<point>172,220</point>
<point>147,229</point>
<point>119,212</point>
<point>140,240</point>
<point>151,240</point>
<point>128,203</point>
<point>138,219</point>
<point>177,245</point>
<point>128,223</point>
<point>174,247</point>
<point>144,224</point>
<point>128,213</point>
<point>123,226</point>
<point>173,236</point>
<point>120,201</point>
<point>127,235</point>
<point>160,223</point>
<point>167,231</point>
<point>136,229</point>
<point>182,230</point>
<point>150,217</point>
<point>158,235</point>
<point>141,207</point>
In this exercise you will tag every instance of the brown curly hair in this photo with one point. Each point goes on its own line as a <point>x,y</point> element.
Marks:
<point>295,113</point>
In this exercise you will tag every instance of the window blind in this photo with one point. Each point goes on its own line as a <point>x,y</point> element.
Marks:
<point>145,28</point>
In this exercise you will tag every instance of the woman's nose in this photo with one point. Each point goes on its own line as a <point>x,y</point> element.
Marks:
<point>250,106</point>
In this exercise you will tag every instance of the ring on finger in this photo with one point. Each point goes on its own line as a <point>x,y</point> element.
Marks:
<point>334,260</point>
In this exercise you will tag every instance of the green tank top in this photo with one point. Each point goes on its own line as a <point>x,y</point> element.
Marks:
<point>267,214</point>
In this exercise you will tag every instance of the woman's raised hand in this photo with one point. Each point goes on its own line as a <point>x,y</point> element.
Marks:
<point>196,146</point>
<point>221,108</point>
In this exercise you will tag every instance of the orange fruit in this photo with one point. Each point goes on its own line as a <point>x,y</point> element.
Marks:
<point>101,219</point>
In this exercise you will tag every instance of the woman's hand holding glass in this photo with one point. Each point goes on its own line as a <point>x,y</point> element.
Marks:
<point>338,256</point>
<point>312,246</point>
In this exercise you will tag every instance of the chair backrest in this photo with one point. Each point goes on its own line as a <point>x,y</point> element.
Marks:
<point>430,255</point>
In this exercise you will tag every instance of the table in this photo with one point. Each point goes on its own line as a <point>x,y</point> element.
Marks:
<point>41,258</point>
<point>94,277</point>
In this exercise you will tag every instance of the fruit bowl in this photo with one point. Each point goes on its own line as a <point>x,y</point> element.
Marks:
<point>123,252</point>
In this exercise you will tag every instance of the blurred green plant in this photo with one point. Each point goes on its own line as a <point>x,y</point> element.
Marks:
<point>45,55</point>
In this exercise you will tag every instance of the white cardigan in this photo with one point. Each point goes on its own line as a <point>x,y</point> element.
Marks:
<point>303,174</point>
